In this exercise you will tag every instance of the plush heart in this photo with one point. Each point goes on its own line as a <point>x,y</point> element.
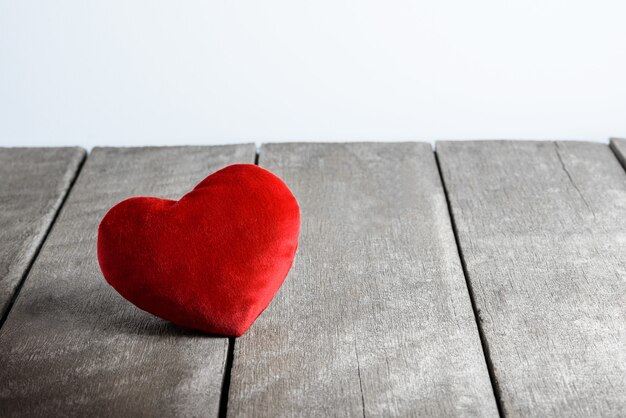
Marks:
<point>212,260</point>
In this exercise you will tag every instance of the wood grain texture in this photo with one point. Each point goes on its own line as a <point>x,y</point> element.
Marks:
<point>71,345</point>
<point>33,183</point>
<point>618,145</point>
<point>375,317</point>
<point>542,230</point>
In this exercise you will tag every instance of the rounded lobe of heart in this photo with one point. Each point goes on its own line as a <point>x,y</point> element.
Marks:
<point>212,260</point>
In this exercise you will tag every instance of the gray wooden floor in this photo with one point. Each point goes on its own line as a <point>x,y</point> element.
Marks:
<point>485,279</point>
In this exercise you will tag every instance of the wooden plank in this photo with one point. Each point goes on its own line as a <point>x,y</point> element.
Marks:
<point>542,230</point>
<point>33,184</point>
<point>618,145</point>
<point>71,345</point>
<point>375,317</point>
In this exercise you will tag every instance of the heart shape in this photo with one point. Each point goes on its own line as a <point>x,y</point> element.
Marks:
<point>212,260</point>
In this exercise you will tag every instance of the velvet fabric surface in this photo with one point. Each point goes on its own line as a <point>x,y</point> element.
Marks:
<point>212,260</point>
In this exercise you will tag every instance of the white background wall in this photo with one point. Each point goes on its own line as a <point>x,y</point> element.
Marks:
<point>180,72</point>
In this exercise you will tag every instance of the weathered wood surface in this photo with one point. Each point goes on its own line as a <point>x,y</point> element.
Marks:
<point>374,318</point>
<point>542,230</point>
<point>33,183</point>
<point>71,346</point>
<point>618,145</point>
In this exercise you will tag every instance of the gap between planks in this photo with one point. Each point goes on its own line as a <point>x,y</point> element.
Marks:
<point>41,242</point>
<point>223,408</point>
<point>483,340</point>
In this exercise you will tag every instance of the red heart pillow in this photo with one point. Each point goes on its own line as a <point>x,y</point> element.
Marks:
<point>212,260</point>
